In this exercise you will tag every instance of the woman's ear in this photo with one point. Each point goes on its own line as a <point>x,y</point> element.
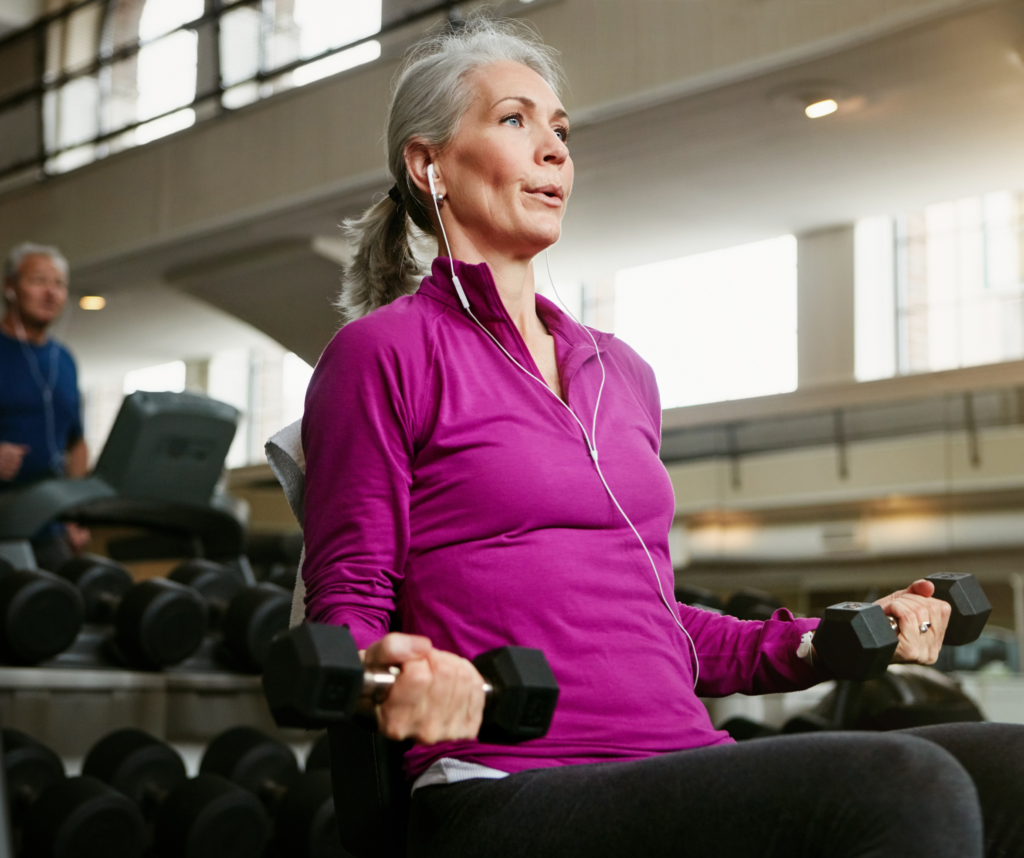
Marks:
<point>417,158</point>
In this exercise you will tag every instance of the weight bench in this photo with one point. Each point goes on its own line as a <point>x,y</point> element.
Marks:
<point>371,793</point>
<point>158,470</point>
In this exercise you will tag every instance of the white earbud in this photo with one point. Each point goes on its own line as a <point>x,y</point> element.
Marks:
<point>433,190</point>
<point>436,197</point>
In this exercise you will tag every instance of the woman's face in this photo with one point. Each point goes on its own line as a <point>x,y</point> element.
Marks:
<point>507,174</point>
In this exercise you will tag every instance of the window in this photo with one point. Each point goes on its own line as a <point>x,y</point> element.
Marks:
<point>119,73</point>
<point>714,326</point>
<point>164,376</point>
<point>940,288</point>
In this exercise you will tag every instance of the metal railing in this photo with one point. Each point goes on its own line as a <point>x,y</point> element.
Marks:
<point>33,70</point>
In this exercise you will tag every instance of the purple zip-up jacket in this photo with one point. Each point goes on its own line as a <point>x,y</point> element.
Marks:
<point>451,496</point>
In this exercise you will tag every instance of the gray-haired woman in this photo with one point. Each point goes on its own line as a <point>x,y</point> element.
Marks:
<point>482,470</point>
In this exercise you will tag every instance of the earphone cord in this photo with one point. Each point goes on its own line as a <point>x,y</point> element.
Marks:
<point>591,440</point>
<point>46,388</point>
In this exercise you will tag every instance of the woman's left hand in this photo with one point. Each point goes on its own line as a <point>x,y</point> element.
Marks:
<point>914,610</point>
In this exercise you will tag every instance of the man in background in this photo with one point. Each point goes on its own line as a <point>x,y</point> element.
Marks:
<point>40,409</point>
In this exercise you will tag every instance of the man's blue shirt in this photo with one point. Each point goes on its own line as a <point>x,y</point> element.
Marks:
<point>22,409</point>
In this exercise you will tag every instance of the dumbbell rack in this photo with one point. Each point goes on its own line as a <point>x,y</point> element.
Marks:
<point>70,709</point>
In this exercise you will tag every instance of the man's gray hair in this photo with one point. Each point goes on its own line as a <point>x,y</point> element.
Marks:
<point>16,255</point>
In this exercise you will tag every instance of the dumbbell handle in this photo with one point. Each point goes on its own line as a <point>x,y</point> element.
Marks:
<point>377,685</point>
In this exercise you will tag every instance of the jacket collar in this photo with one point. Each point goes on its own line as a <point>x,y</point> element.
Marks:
<point>573,345</point>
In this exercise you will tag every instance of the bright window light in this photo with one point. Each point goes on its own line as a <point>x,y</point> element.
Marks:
<point>92,302</point>
<point>326,24</point>
<point>821,108</point>
<point>365,53</point>
<point>295,375</point>
<point>714,326</point>
<point>164,376</point>
<point>167,67</point>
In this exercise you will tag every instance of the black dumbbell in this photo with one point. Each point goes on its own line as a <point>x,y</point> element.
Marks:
<point>202,817</point>
<point>40,614</point>
<point>54,816</point>
<point>857,640</point>
<point>248,618</point>
<point>301,803</point>
<point>314,678</point>
<point>156,623</point>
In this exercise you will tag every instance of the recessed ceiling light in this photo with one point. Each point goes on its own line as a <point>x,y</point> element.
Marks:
<point>92,302</point>
<point>824,107</point>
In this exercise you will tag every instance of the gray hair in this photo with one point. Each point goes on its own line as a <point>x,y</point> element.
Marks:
<point>431,95</point>
<point>16,255</point>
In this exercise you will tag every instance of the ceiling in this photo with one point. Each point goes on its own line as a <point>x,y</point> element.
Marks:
<point>928,114</point>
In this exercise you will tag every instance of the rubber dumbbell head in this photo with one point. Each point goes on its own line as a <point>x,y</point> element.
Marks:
<point>970,606</point>
<point>313,677</point>
<point>855,640</point>
<point>525,694</point>
<point>59,817</point>
<point>302,804</point>
<point>40,614</point>
<point>255,616</point>
<point>252,760</point>
<point>215,582</point>
<point>205,817</point>
<point>306,824</point>
<point>209,817</point>
<point>159,623</point>
<point>101,581</point>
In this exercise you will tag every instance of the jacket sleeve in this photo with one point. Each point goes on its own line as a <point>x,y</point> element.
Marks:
<point>357,436</point>
<point>748,656</point>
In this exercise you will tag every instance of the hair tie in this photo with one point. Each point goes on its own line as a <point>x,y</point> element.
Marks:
<point>396,195</point>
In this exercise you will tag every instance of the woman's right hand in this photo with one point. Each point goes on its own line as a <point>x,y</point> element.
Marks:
<point>437,697</point>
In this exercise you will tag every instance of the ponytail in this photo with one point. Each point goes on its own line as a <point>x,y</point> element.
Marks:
<point>384,267</point>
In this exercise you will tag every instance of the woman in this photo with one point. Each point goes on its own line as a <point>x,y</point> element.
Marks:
<point>482,470</point>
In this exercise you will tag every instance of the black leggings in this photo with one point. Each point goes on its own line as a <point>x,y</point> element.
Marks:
<point>827,795</point>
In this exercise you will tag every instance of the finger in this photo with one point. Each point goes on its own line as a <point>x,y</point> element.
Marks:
<point>442,698</point>
<point>397,648</point>
<point>922,587</point>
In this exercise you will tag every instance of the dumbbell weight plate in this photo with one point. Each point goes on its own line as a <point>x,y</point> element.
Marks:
<point>136,764</point>
<point>40,614</point>
<point>97,579</point>
<point>29,766</point>
<point>525,694</point>
<point>216,582</point>
<point>210,817</point>
<point>160,622</point>
<point>253,619</point>
<point>971,607</point>
<point>250,759</point>
<point>855,640</point>
<point>83,818</point>
<point>306,825</point>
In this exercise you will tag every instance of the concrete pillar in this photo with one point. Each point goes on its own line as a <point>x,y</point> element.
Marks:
<point>825,307</point>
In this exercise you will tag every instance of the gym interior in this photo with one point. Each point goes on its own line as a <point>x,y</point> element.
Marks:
<point>807,218</point>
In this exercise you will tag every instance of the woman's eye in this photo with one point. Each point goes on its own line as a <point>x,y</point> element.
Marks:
<point>515,120</point>
<point>563,134</point>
